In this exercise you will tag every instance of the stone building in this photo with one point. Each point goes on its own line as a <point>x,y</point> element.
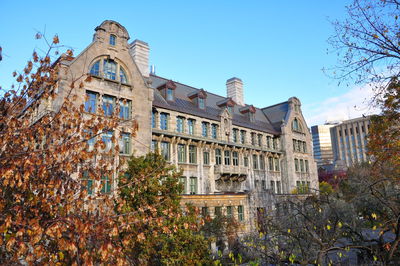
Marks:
<point>349,142</point>
<point>235,158</point>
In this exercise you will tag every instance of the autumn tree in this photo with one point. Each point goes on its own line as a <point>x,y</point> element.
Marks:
<point>160,231</point>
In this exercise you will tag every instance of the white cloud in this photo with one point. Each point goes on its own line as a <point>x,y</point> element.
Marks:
<point>354,103</point>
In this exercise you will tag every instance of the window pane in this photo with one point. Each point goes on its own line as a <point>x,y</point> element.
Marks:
<point>125,109</point>
<point>106,138</point>
<point>193,185</point>
<point>181,153</point>
<point>110,69</point>
<point>105,184</point>
<point>218,159</point>
<point>206,157</point>
<point>91,102</point>
<point>112,39</point>
<point>170,94</point>
<point>95,70</point>
<point>240,213</point>
<point>108,105</point>
<point>164,121</point>
<point>122,75</point>
<point>179,124</point>
<point>227,157</point>
<point>165,150</point>
<point>192,154</point>
<point>125,143</point>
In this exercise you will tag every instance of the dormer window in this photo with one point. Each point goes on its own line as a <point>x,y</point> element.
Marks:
<point>113,39</point>
<point>167,90</point>
<point>201,103</point>
<point>198,98</point>
<point>170,94</point>
<point>228,104</point>
<point>250,111</point>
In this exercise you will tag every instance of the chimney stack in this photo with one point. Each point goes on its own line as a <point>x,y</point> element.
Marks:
<point>139,50</point>
<point>234,89</point>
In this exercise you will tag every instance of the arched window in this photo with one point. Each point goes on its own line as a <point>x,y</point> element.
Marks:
<point>296,126</point>
<point>122,75</point>
<point>95,70</point>
<point>110,69</point>
<point>113,39</point>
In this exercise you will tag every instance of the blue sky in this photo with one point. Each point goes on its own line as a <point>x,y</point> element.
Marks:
<point>277,48</point>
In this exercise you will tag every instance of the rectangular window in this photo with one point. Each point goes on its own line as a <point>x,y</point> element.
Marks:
<point>273,186</point>
<point>246,161</point>
<point>214,131</point>
<point>108,105</point>
<point>253,139</point>
<point>153,145</point>
<point>296,165</point>
<point>276,163</point>
<point>240,213</point>
<point>165,150</point>
<point>190,124</point>
<point>179,124</point>
<point>271,163</point>
<point>193,185</point>
<point>304,147</point>
<point>255,161</point>
<point>181,153</point>
<point>164,121</point>
<point>294,145</point>
<point>218,211</point>
<point>301,165</point>
<point>106,138</point>
<point>125,109</point>
<point>242,136</point>
<point>262,164</point>
<point>91,102</point>
<point>235,158</point>
<point>227,157</point>
<point>235,135</point>
<point>308,187</point>
<point>109,69</point>
<point>229,211</point>
<point>269,140</point>
<point>306,164</point>
<point>170,94</point>
<point>278,187</point>
<point>206,158</point>
<point>192,154</point>
<point>204,129</point>
<point>87,182</point>
<point>201,103</point>
<point>105,184</point>
<point>153,120</point>
<point>182,180</point>
<point>299,187</point>
<point>218,159</point>
<point>259,140</point>
<point>275,143</point>
<point>125,143</point>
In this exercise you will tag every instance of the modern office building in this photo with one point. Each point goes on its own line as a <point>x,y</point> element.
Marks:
<point>322,145</point>
<point>349,142</point>
<point>235,158</point>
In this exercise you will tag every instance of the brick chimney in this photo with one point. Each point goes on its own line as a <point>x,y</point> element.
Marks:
<point>140,53</point>
<point>234,89</point>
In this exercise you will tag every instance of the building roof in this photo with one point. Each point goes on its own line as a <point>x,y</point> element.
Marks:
<point>267,119</point>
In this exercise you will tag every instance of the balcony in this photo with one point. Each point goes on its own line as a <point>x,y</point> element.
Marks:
<point>230,173</point>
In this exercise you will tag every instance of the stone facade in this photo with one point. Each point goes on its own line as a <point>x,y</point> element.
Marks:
<point>231,154</point>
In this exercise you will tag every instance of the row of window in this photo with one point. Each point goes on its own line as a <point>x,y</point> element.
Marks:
<point>219,211</point>
<point>301,166</point>
<point>299,146</point>
<point>193,189</point>
<point>108,105</point>
<point>303,187</point>
<point>124,142</point>
<point>184,125</point>
<point>226,157</point>
<point>351,131</point>
<point>88,183</point>
<point>275,186</point>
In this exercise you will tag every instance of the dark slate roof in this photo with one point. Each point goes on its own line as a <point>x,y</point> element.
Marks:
<point>276,113</point>
<point>183,104</point>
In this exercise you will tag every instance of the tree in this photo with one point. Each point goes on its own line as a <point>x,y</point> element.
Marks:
<point>367,42</point>
<point>159,232</point>
<point>358,222</point>
<point>46,216</point>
